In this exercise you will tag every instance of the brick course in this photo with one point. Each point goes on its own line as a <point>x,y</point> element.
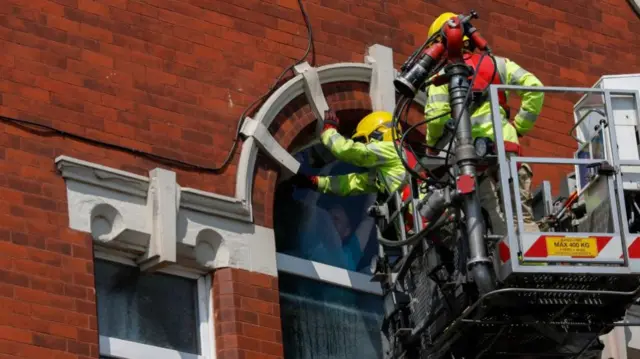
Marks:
<point>172,77</point>
<point>247,315</point>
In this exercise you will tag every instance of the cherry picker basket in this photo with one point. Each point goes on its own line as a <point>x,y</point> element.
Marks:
<point>557,290</point>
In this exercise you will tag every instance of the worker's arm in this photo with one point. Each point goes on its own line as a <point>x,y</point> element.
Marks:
<point>356,153</point>
<point>351,184</point>
<point>532,101</point>
<point>437,112</point>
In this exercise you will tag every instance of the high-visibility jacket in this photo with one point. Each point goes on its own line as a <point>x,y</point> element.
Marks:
<point>386,172</point>
<point>508,72</point>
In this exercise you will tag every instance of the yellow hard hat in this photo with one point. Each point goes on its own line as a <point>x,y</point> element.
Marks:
<point>376,125</point>
<point>439,23</point>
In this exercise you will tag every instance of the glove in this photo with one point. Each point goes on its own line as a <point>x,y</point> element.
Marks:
<point>432,151</point>
<point>304,181</point>
<point>331,120</point>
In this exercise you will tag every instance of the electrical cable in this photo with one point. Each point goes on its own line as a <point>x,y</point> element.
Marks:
<point>310,49</point>
<point>441,221</point>
<point>33,126</point>
<point>411,128</point>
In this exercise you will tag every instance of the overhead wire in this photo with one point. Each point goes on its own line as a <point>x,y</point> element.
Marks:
<point>38,128</point>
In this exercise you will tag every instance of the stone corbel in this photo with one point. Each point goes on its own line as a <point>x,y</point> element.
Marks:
<point>313,92</point>
<point>267,143</point>
<point>381,90</point>
<point>158,223</point>
<point>317,101</point>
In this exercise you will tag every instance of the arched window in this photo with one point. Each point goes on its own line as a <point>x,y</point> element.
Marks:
<point>321,238</point>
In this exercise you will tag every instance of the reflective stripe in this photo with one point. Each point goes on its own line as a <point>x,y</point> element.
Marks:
<point>333,138</point>
<point>517,76</point>
<point>482,119</point>
<point>387,180</point>
<point>528,116</point>
<point>439,98</point>
<point>334,185</point>
<point>400,178</point>
<point>376,150</point>
<point>501,64</point>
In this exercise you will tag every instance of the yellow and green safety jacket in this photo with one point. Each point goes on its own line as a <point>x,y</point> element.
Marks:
<point>510,73</point>
<point>386,171</point>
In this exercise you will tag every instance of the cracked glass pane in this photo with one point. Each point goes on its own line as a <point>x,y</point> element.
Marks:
<point>154,309</point>
<point>323,321</point>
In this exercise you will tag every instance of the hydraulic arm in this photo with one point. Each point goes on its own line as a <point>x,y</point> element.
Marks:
<point>456,73</point>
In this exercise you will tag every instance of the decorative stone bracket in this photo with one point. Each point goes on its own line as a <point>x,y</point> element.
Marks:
<point>158,223</point>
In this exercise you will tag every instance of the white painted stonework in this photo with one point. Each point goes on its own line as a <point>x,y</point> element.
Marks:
<point>158,223</point>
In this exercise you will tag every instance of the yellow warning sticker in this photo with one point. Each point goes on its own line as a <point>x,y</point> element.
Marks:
<point>572,246</point>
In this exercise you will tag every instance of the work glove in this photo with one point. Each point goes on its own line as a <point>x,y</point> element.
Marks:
<point>432,151</point>
<point>331,120</point>
<point>300,180</point>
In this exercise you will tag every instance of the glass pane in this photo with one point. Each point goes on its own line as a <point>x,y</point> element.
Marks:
<point>154,309</point>
<point>328,229</point>
<point>322,321</point>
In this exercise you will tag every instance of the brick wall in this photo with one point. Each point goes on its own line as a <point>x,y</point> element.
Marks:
<point>171,77</point>
<point>247,315</point>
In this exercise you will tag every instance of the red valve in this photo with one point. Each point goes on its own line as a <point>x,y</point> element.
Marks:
<point>466,184</point>
<point>454,33</point>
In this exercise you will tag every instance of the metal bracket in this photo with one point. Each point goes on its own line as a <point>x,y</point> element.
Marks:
<point>255,129</point>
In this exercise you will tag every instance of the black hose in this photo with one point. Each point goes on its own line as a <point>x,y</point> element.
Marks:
<point>441,221</point>
<point>466,100</point>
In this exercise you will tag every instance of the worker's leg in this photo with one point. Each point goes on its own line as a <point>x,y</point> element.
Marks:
<point>490,202</point>
<point>525,174</point>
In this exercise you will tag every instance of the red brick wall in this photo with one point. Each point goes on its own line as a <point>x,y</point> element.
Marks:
<point>171,77</point>
<point>247,315</point>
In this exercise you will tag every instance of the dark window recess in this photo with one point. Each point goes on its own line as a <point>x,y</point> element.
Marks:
<point>154,309</point>
<point>320,320</point>
<point>325,228</point>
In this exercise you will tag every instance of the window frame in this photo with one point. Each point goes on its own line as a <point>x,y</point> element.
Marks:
<point>321,272</point>
<point>125,349</point>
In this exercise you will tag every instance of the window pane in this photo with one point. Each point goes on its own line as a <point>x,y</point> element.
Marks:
<point>322,321</point>
<point>328,229</point>
<point>154,309</point>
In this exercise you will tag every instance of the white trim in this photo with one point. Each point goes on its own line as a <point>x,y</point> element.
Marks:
<point>124,349</point>
<point>205,300</point>
<point>383,95</point>
<point>159,224</point>
<point>328,274</point>
<point>104,255</point>
<point>175,270</point>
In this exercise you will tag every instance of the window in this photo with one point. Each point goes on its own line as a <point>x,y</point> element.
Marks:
<point>157,315</point>
<point>325,243</point>
<point>327,229</point>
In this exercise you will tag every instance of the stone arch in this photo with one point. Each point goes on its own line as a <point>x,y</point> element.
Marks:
<point>287,116</point>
